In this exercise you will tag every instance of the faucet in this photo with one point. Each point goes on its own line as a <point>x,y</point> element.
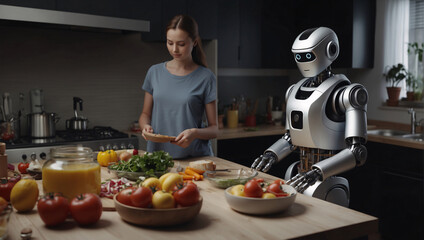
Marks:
<point>414,122</point>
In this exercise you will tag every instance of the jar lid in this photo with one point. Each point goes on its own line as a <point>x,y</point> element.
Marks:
<point>75,152</point>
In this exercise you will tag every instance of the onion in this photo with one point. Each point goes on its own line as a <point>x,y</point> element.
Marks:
<point>125,156</point>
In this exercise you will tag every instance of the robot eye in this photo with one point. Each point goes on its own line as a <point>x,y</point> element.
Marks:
<point>304,57</point>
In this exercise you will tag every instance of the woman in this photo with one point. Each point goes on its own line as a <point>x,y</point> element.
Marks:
<point>179,92</point>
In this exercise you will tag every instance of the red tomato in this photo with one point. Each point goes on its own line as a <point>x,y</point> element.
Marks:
<point>22,167</point>
<point>124,196</point>
<point>187,194</point>
<point>276,189</point>
<point>53,209</point>
<point>135,152</point>
<point>86,208</point>
<point>279,181</point>
<point>253,189</point>
<point>141,197</point>
<point>5,188</point>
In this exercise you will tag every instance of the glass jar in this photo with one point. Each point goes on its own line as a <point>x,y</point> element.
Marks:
<point>71,171</point>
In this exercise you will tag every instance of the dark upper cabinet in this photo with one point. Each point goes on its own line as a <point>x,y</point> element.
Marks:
<point>352,20</point>
<point>43,4</point>
<point>203,11</point>
<point>239,33</point>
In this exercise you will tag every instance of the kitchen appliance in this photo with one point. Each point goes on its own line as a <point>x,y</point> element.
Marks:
<point>7,106</point>
<point>42,125</point>
<point>37,100</point>
<point>96,138</point>
<point>77,122</point>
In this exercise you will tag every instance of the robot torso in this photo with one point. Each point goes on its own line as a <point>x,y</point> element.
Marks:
<point>311,119</point>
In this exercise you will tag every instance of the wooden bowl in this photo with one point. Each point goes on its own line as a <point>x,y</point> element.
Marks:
<point>260,206</point>
<point>158,137</point>
<point>157,217</point>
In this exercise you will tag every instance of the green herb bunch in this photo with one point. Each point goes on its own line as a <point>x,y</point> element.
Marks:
<point>149,163</point>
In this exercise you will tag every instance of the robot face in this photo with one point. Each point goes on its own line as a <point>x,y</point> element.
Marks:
<point>314,50</point>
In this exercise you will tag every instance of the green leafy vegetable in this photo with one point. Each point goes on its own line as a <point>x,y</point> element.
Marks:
<point>149,163</point>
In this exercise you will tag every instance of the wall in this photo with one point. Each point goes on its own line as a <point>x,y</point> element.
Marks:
<point>105,69</point>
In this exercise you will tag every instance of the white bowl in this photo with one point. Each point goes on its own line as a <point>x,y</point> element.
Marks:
<point>260,206</point>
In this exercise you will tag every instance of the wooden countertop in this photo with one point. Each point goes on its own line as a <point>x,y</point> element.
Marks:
<point>244,132</point>
<point>308,218</point>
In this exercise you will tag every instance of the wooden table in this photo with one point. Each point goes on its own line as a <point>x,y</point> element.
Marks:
<point>308,218</point>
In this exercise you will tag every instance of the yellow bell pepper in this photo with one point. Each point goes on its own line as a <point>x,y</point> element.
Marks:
<point>106,157</point>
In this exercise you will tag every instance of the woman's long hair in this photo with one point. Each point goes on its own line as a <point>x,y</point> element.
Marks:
<point>189,25</point>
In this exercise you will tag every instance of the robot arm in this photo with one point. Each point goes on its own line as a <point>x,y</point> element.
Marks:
<point>273,154</point>
<point>352,101</point>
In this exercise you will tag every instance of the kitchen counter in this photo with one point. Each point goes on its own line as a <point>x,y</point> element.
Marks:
<point>307,218</point>
<point>402,142</point>
<point>244,132</point>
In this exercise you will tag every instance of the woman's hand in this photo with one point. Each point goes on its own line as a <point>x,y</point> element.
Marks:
<point>146,128</point>
<point>185,138</point>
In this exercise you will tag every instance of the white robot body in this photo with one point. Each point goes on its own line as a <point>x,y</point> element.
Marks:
<point>325,119</point>
<point>307,121</point>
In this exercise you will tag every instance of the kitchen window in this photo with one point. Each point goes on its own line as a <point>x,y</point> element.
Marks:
<point>416,35</point>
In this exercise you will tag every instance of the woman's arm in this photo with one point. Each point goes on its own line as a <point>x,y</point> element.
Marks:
<point>146,116</point>
<point>187,136</point>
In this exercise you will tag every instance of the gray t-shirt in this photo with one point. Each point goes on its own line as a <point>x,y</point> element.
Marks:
<point>179,104</point>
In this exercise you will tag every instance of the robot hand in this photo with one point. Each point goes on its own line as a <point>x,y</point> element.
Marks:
<point>303,180</point>
<point>264,162</point>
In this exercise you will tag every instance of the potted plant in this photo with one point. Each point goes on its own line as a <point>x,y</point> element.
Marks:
<point>394,75</point>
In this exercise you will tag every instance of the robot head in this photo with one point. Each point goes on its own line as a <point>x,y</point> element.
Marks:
<point>314,50</point>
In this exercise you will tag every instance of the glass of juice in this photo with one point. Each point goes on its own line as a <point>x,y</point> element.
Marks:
<point>71,171</point>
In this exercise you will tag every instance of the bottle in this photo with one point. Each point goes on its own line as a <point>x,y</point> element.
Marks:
<point>71,171</point>
<point>242,109</point>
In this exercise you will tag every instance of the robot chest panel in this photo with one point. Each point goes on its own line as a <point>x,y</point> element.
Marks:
<point>308,122</point>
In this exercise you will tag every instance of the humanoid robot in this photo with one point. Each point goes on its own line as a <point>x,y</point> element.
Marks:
<point>325,118</point>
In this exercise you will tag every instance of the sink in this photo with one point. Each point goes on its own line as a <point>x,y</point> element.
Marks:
<point>387,132</point>
<point>416,137</point>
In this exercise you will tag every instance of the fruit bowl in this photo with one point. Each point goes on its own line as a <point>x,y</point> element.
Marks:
<point>260,206</point>
<point>157,217</point>
<point>229,177</point>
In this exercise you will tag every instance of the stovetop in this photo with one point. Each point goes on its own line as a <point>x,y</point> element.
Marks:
<point>97,138</point>
<point>64,137</point>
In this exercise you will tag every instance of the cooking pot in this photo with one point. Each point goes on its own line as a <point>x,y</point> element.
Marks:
<point>77,123</point>
<point>42,125</point>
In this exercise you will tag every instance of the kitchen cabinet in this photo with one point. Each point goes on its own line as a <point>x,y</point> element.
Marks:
<point>260,34</point>
<point>390,186</point>
<point>352,20</point>
<point>203,11</point>
<point>239,34</point>
<point>43,4</point>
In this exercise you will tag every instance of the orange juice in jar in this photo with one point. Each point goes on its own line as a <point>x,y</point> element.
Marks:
<point>71,171</point>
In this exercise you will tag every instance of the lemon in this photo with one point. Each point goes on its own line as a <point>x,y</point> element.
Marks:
<point>268,195</point>
<point>163,200</point>
<point>171,181</point>
<point>152,183</point>
<point>24,195</point>
<point>237,190</point>
<point>163,177</point>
